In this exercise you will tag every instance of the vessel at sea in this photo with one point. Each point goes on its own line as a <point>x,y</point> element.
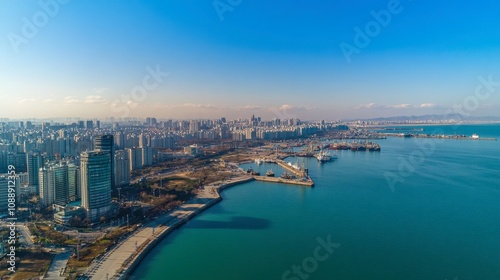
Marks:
<point>324,156</point>
<point>252,172</point>
<point>270,173</point>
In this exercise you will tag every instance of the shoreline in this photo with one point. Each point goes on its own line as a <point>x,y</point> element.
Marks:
<point>432,124</point>
<point>122,261</point>
<point>127,272</point>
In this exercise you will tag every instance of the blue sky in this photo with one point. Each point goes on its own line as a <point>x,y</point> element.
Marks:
<point>273,59</point>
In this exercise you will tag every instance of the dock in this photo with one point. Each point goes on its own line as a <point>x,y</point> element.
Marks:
<point>300,182</point>
<point>438,136</point>
<point>296,172</point>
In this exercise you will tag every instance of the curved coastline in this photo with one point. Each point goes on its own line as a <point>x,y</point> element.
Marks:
<point>133,262</point>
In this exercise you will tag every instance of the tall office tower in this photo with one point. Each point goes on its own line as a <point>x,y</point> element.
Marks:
<point>61,191</point>
<point>74,186</point>
<point>122,168</point>
<point>81,124</point>
<point>98,124</point>
<point>106,143</point>
<point>90,124</point>
<point>53,181</point>
<point>95,168</point>
<point>147,156</point>
<point>33,164</point>
<point>29,125</point>
<point>135,158</point>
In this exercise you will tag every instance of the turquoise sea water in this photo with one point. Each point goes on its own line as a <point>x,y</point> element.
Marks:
<point>440,219</point>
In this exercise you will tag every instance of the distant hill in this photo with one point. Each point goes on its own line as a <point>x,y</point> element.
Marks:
<point>434,118</point>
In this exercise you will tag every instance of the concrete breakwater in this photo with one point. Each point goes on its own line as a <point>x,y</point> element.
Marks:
<point>300,182</point>
<point>298,172</point>
<point>440,136</point>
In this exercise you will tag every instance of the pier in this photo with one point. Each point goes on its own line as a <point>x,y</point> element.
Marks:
<point>438,136</point>
<point>300,182</point>
<point>296,172</point>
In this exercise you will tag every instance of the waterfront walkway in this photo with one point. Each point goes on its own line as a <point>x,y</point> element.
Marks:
<point>58,266</point>
<point>116,263</point>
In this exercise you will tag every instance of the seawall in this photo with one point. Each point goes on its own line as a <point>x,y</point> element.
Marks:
<point>134,263</point>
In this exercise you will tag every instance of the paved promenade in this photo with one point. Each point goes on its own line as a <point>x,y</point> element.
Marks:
<point>57,267</point>
<point>112,264</point>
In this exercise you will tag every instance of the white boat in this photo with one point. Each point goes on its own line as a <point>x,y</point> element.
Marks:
<point>258,161</point>
<point>324,156</point>
<point>474,136</point>
<point>295,166</point>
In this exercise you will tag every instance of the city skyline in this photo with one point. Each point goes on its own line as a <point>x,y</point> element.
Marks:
<point>190,60</point>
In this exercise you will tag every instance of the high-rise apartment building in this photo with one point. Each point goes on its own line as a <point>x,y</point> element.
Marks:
<point>147,156</point>
<point>54,186</point>
<point>135,158</point>
<point>122,168</point>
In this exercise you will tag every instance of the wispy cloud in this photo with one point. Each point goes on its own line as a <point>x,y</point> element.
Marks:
<point>90,99</point>
<point>187,105</point>
<point>71,100</point>
<point>94,99</point>
<point>401,106</point>
<point>369,106</point>
<point>288,107</point>
<point>26,100</point>
<point>427,105</point>
<point>99,90</point>
<point>204,106</point>
<point>287,111</point>
<point>396,106</point>
<point>250,108</point>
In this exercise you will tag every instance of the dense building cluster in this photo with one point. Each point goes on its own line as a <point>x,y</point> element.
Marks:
<point>74,165</point>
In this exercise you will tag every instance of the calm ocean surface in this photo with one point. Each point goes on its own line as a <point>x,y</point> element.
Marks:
<point>440,220</point>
